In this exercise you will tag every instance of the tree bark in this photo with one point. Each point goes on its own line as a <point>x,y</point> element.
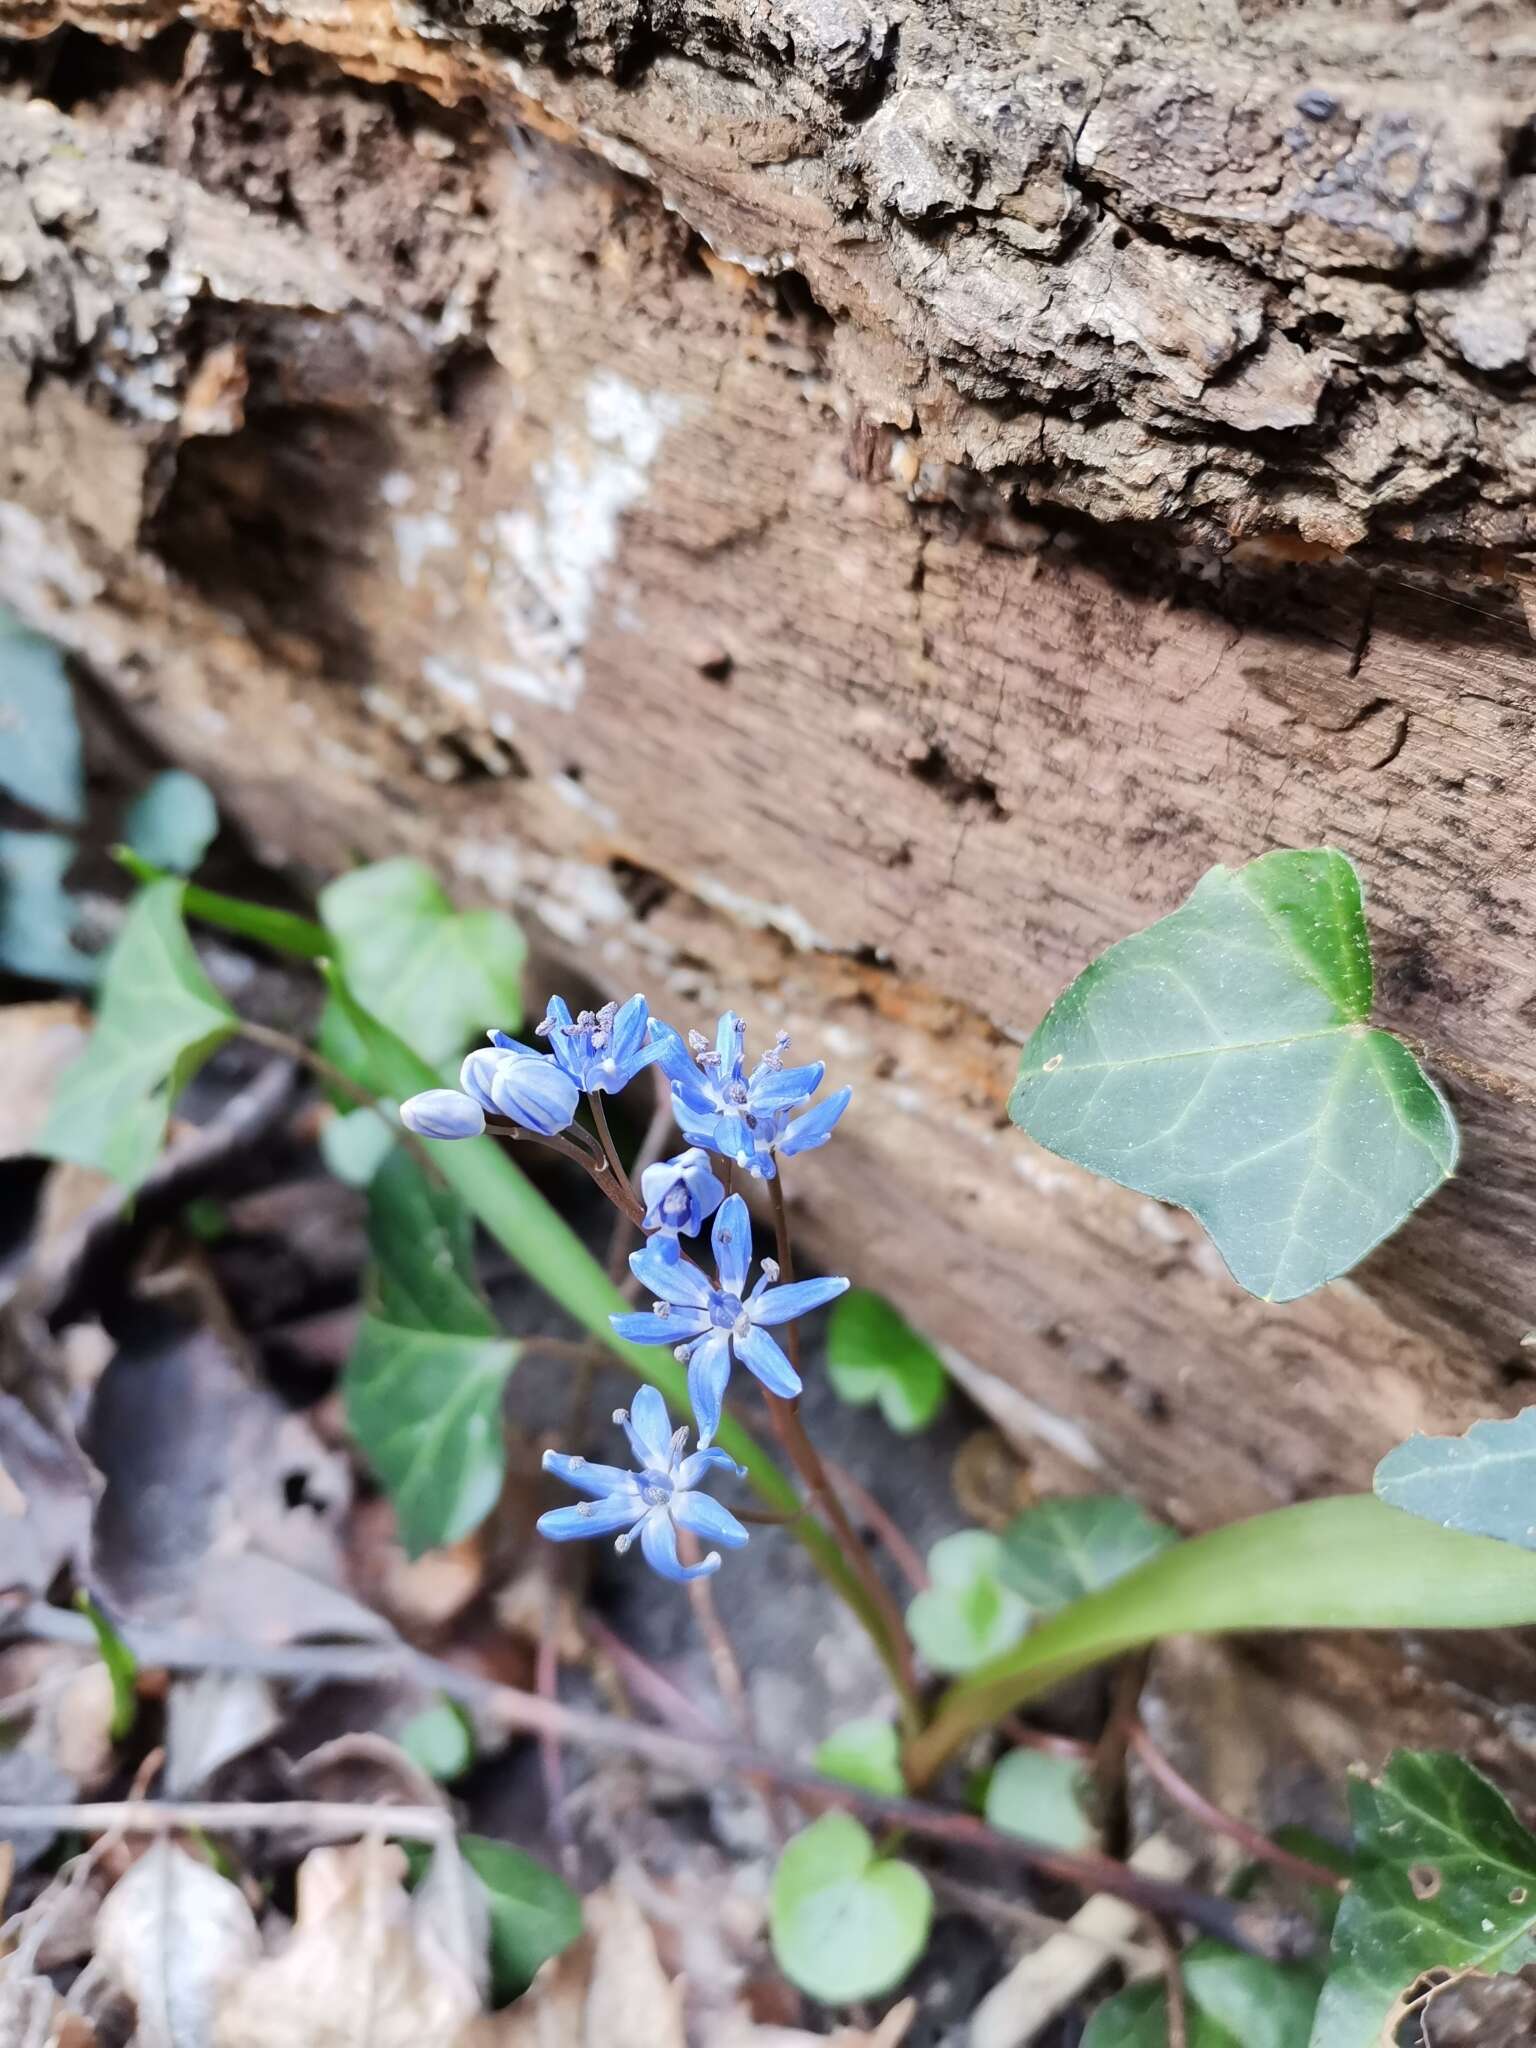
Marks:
<point>843,508</point>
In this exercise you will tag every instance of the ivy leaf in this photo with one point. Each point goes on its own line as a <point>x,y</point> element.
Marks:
<point>354,1143</point>
<point>866,1753</point>
<point>37,913</point>
<point>440,1740</point>
<point>159,1018</point>
<point>846,1922</point>
<point>173,822</point>
<point>436,976</point>
<point>423,1386</point>
<point>1062,1549</point>
<point>534,1914</point>
<point>1047,1798</point>
<point>1444,1879</point>
<point>1233,2000</point>
<point>874,1354</point>
<point>39,739</point>
<point>1222,1059</point>
<point>967,1615</point>
<point>1483,1482</point>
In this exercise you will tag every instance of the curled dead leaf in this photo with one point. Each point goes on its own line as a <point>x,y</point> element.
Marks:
<point>170,1935</point>
<point>608,1988</point>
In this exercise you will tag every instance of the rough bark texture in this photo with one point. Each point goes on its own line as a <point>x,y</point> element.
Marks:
<point>848,508</point>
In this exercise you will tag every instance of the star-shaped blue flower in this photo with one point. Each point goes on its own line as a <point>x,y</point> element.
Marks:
<point>681,1194</point>
<point>748,1117</point>
<point>655,1502</point>
<point>601,1049</point>
<point>712,1325</point>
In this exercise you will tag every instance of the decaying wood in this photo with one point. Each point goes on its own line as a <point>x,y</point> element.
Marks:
<point>845,507</point>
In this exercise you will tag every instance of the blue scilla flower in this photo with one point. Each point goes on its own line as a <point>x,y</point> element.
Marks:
<point>709,1325</point>
<point>513,1081</point>
<point>748,1117</point>
<point>680,1194</point>
<point>601,1049</point>
<point>655,1502</point>
<point>443,1113</point>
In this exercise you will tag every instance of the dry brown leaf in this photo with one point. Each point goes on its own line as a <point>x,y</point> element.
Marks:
<point>7,1869</point>
<point>355,1972</point>
<point>606,1991</point>
<point>37,1042</point>
<point>47,1500</point>
<point>170,1934</point>
<point>32,2015</point>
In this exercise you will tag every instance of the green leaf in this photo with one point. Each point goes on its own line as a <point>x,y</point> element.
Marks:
<point>967,1615</point>
<point>279,929</point>
<point>1222,1060</point>
<point>37,913</point>
<point>1056,1552</point>
<point>1344,1563</point>
<point>846,1922</point>
<point>121,1667</point>
<point>158,1019</point>
<point>39,739</point>
<point>1483,1482</point>
<point>1048,1798</point>
<point>874,1354</point>
<point>1445,1878</point>
<point>534,1915</point>
<point>866,1753</point>
<point>173,822</point>
<point>437,976</point>
<point>423,1387</point>
<point>356,1142</point>
<point>1233,2001</point>
<point>440,1741</point>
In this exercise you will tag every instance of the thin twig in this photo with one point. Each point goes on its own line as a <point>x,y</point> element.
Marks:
<point>869,1511</point>
<point>334,1817</point>
<point>1252,1839</point>
<point>722,1656</point>
<point>546,1677</point>
<point>1024,1737</point>
<point>1173,1978</point>
<point>293,1048</point>
<point>647,1683</point>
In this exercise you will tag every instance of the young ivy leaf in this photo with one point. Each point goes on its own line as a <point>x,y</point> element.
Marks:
<point>874,1354</point>
<point>440,1740</point>
<point>158,1019</point>
<point>1483,1482</point>
<point>39,739</point>
<point>423,1386</point>
<point>846,1922</point>
<point>436,976</point>
<point>37,912</point>
<point>1062,1549</point>
<point>1233,2000</point>
<point>1223,1060</point>
<point>173,822</point>
<point>1046,1798</point>
<point>967,1615</point>
<point>534,1914</point>
<point>1444,1879</point>
<point>866,1753</point>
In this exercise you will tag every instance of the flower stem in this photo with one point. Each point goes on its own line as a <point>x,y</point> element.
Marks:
<point>616,1185</point>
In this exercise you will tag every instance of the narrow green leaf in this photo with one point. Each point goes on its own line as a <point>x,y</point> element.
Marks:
<point>282,930</point>
<point>967,1615</point>
<point>1062,1549</point>
<point>1445,1878</point>
<point>158,1019</point>
<point>846,1922</point>
<point>1046,1798</point>
<point>37,913</point>
<point>122,1668</point>
<point>173,822</point>
<point>1232,2001</point>
<point>423,1387</point>
<point>440,1741</point>
<point>1222,1060</point>
<point>866,1753</point>
<point>874,1354</point>
<point>437,976</point>
<point>1483,1482</point>
<point>534,1914</point>
<point>1343,1563</point>
<point>39,739</point>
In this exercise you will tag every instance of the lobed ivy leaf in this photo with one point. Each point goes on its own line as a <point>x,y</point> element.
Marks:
<point>37,913</point>
<point>1046,1798</point>
<point>967,1615</point>
<point>1222,1060</point>
<point>534,1914</point>
<point>436,976</point>
<point>1055,1553</point>
<point>1483,1482</point>
<point>423,1387</point>
<point>874,1354</point>
<point>158,1019</point>
<point>866,1753</point>
<point>172,823</point>
<point>39,739</point>
<point>1232,2000</point>
<point>847,1923</point>
<point>1444,1879</point>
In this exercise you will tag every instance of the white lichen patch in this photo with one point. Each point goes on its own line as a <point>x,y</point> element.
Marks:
<point>580,798</point>
<point>576,899</point>
<point>763,917</point>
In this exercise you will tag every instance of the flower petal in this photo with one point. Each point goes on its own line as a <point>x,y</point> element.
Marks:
<point>443,1113</point>
<point>658,1543</point>
<point>533,1091</point>
<point>765,1361</point>
<point>504,1043</point>
<point>709,1372</point>
<point>692,1471</point>
<point>772,1091</point>
<point>795,1298</point>
<point>629,1029</point>
<point>705,1517</point>
<point>558,1016</point>
<point>600,1481</point>
<point>591,1518</point>
<point>732,1242</point>
<point>670,1279</point>
<point>730,1037</point>
<point>477,1072</point>
<point>650,1428</point>
<point>640,1328</point>
<point>806,1132</point>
